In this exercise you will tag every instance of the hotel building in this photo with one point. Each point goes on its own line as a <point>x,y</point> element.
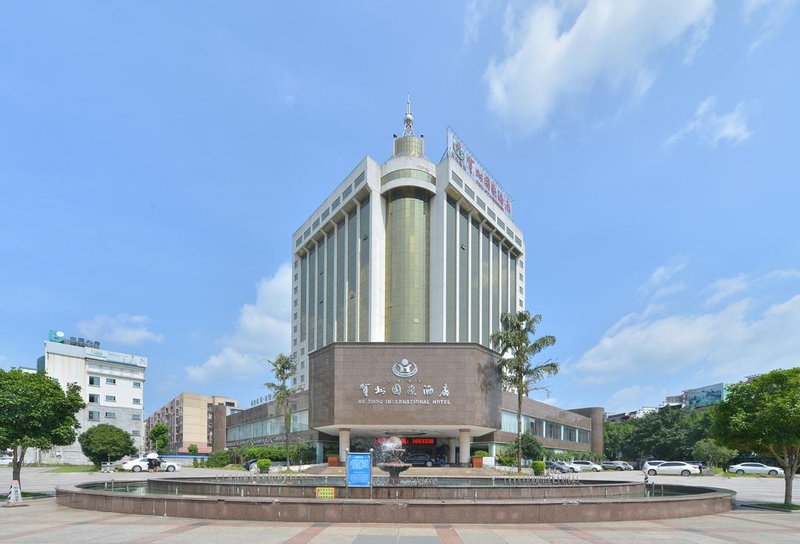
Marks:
<point>399,278</point>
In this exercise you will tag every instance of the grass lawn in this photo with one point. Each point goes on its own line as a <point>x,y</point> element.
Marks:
<point>74,468</point>
<point>27,495</point>
<point>779,506</point>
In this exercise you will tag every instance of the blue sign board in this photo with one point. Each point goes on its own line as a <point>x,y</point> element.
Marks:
<point>359,470</point>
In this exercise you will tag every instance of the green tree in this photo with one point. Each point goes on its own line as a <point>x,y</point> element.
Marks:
<point>662,434</point>
<point>106,443</point>
<point>763,415</point>
<point>515,370</point>
<point>192,449</point>
<point>159,437</point>
<point>617,440</point>
<point>283,368</point>
<point>531,447</point>
<point>714,454</point>
<point>36,413</point>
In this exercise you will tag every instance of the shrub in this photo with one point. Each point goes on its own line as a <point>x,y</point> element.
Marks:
<point>194,462</point>
<point>218,459</point>
<point>192,449</point>
<point>538,467</point>
<point>263,465</point>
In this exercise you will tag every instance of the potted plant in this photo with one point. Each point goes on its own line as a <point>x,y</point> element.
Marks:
<point>477,458</point>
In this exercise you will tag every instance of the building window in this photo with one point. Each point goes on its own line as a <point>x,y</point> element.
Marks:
<point>111,381</point>
<point>111,415</point>
<point>302,364</point>
<point>94,381</point>
<point>136,432</point>
<point>93,397</point>
<point>302,378</point>
<point>137,401</point>
<point>137,385</point>
<point>94,415</point>
<point>136,417</point>
<point>111,398</point>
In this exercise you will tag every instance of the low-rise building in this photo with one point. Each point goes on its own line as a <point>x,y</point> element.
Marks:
<point>190,418</point>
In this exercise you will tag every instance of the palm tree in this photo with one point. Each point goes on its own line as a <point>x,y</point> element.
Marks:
<point>515,370</point>
<point>283,368</point>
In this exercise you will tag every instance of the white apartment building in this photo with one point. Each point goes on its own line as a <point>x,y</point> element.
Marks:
<point>407,251</point>
<point>112,385</point>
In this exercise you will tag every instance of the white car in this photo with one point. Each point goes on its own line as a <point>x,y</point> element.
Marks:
<point>587,466</point>
<point>755,468</point>
<point>5,461</point>
<point>140,464</point>
<point>674,468</point>
<point>573,467</point>
<point>651,464</point>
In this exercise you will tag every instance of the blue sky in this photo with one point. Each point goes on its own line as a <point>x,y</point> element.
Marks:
<point>156,158</point>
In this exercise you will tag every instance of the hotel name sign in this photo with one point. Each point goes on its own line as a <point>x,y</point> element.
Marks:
<point>403,390</point>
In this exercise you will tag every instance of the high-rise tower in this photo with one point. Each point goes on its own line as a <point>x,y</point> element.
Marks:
<point>407,251</point>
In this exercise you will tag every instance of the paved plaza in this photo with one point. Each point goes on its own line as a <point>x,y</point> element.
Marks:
<point>44,521</point>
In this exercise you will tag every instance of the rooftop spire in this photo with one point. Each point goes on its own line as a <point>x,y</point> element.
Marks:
<point>408,120</point>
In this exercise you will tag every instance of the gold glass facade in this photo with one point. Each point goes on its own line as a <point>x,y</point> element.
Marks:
<point>407,265</point>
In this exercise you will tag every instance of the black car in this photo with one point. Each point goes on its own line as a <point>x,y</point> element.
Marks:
<point>419,460</point>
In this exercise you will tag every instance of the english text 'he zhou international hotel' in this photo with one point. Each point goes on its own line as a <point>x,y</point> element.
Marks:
<point>399,278</point>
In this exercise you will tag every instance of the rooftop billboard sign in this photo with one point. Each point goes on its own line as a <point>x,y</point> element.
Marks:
<point>459,152</point>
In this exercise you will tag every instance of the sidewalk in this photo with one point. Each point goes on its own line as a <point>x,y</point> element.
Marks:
<point>44,521</point>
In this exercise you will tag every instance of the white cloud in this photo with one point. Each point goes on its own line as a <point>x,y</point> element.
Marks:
<point>262,331</point>
<point>557,51</point>
<point>473,14</point>
<point>710,128</point>
<point>726,344</point>
<point>772,15</point>
<point>124,329</point>
<point>727,287</point>
<point>634,395</point>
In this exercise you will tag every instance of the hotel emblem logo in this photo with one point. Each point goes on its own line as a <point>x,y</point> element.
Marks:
<point>404,368</point>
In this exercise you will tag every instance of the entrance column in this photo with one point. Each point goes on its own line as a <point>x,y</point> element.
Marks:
<point>463,445</point>
<point>451,450</point>
<point>344,444</point>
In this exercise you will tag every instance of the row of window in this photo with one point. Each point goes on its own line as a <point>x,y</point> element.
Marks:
<point>334,205</point>
<point>544,428</point>
<point>95,398</point>
<point>95,381</point>
<point>471,194</point>
<point>267,427</point>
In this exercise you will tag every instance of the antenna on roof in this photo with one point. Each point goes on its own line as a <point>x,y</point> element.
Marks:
<point>408,120</point>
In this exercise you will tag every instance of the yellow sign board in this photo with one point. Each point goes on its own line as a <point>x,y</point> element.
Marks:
<point>325,492</point>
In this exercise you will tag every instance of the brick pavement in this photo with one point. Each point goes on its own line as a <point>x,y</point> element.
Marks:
<point>44,521</point>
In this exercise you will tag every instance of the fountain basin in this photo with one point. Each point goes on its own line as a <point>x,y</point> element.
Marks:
<point>212,499</point>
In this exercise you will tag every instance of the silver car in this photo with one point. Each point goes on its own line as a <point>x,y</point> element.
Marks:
<point>755,468</point>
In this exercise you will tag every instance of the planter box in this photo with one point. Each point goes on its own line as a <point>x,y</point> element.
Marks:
<point>333,460</point>
<point>477,462</point>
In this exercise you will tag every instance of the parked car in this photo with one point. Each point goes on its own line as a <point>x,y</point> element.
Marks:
<point>755,468</point>
<point>573,467</point>
<point>616,465</point>
<point>588,466</point>
<point>419,460</point>
<point>674,468</point>
<point>650,464</point>
<point>699,464</point>
<point>558,466</point>
<point>140,464</point>
<point>5,460</point>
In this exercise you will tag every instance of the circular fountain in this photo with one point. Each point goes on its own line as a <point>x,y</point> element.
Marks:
<point>390,459</point>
